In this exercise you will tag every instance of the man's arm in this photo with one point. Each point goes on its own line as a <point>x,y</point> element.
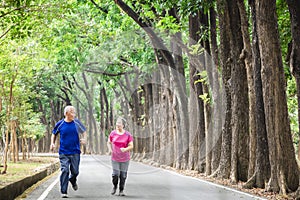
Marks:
<point>52,145</point>
<point>83,140</point>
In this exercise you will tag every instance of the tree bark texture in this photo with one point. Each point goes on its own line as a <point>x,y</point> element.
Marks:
<point>196,107</point>
<point>294,61</point>
<point>284,169</point>
<point>223,170</point>
<point>246,55</point>
<point>239,98</point>
<point>262,168</point>
<point>217,108</point>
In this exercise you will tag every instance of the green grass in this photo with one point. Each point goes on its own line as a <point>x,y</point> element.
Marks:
<point>23,168</point>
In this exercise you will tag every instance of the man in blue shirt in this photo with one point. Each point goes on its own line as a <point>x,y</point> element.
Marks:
<point>70,130</point>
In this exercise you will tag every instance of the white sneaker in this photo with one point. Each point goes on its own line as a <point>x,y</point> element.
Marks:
<point>64,196</point>
<point>121,193</point>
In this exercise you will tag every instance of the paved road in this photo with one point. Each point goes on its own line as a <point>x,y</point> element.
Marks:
<point>144,182</point>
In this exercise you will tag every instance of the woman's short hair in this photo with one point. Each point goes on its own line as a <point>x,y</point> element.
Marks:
<point>121,120</point>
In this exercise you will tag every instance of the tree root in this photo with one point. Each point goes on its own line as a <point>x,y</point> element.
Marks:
<point>251,183</point>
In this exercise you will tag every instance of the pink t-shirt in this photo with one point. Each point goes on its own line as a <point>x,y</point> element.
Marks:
<point>120,141</point>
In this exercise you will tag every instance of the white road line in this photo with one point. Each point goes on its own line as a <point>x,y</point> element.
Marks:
<point>46,192</point>
<point>217,185</point>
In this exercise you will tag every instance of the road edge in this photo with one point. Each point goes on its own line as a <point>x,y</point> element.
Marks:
<point>13,190</point>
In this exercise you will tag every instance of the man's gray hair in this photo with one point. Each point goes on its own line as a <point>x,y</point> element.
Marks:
<point>68,108</point>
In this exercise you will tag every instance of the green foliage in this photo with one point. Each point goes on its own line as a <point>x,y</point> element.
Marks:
<point>285,38</point>
<point>34,128</point>
<point>206,97</point>
<point>285,32</point>
<point>293,108</point>
<point>203,77</point>
<point>17,81</point>
<point>169,23</point>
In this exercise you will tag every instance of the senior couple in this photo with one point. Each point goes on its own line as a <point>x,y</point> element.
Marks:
<point>70,130</point>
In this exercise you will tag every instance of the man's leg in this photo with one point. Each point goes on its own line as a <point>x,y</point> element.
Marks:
<point>64,177</point>
<point>74,168</point>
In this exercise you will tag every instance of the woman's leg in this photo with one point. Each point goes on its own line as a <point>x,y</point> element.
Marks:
<point>115,175</point>
<point>123,176</point>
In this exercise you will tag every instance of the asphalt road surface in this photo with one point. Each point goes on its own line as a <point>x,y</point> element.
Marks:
<point>143,182</point>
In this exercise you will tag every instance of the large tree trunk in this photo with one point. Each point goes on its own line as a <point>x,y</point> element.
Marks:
<point>206,62</point>
<point>246,55</point>
<point>239,97</point>
<point>108,124</point>
<point>147,88</point>
<point>181,105</point>
<point>217,108</point>
<point>157,90</point>
<point>262,168</point>
<point>284,169</point>
<point>294,61</point>
<point>196,107</point>
<point>163,117</point>
<point>103,116</point>
<point>223,171</point>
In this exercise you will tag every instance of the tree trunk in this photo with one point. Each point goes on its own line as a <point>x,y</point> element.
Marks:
<point>181,108</point>
<point>246,55</point>
<point>195,106</point>
<point>284,169</point>
<point>14,141</point>
<point>206,128</point>
<point>295,56</point>
<point>93,128</point>
<point>262,168</point>
<point>217,108</point>
<point>155,111</point>
<point>108,124</point>
<point>8,125</point>
<point>223,171</point>
<point>102,119</point>
<point>148,119</point>
<point>162,128</point>
<point>239,97</point>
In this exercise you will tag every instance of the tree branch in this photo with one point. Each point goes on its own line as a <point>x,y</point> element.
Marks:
<point>1,36</point>
<point>13,10</point>
<point>157,42</point>
<point>102,9</point>
<point>107,73</point>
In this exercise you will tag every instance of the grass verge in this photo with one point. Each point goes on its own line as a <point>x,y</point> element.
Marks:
<point>24,168</point>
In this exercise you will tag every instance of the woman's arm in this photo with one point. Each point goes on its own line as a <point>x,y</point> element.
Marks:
<point>128,148</point>
<point>109,146</point>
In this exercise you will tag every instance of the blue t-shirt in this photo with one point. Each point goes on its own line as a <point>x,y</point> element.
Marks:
<point>69,136</point>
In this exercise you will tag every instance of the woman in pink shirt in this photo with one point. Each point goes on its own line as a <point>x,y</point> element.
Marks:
<point>119,143</point>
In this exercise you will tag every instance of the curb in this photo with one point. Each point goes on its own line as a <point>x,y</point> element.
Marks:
<point>15,189</point>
